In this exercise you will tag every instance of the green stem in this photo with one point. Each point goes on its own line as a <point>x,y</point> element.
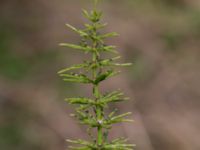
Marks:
<point>99,118</point>
<point>98,112</point>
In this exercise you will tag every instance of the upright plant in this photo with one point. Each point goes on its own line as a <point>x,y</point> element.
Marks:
<point>90,111</point>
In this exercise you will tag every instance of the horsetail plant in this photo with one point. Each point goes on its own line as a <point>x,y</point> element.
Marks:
<point>91,111</point>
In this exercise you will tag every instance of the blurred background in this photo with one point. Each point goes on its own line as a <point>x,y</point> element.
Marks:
<point>161,38</point>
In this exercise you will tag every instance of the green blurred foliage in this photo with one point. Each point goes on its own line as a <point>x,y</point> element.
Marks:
<point>14,65</point>
<point>14,119</point>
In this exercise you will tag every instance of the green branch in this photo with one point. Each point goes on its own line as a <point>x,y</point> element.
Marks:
<point>90,111</point>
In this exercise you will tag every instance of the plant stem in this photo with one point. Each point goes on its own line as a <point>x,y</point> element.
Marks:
<point>99,128</point>
<point>97,94</point>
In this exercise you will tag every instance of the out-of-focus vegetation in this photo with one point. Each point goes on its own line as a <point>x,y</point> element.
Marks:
<point>161,38</point>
